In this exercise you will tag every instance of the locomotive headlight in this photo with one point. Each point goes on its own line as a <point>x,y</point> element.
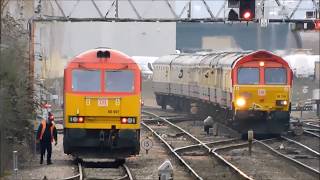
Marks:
<point>241,102</point>
<point>284,102</point>
<point>281,102</point>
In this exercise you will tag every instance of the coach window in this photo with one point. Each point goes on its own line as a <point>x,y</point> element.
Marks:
<point>119,81</point>
<point>86,80</point>
<point>275,75</point>
<point>248,76</point>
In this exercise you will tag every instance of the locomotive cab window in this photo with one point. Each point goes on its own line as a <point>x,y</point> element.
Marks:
<point>119,81</point>
<point>86,80</point>
<point>248,76</point>
<point>275,75</point>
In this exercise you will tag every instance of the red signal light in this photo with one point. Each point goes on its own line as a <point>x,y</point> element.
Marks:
<point>247,15</point>
<point>247,9</point>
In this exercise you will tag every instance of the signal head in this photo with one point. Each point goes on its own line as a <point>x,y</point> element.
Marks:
<point>247,15</point>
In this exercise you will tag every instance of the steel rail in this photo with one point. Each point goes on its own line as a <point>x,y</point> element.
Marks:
<point>172,150</point>
<point>302,145</point>
<point>312,133</point>
<point>80,171</point>
<point>310,170</point>
<point>129,174</point>
<point>315,130</point>
<point>182,130</point>
<point>209,143</point>
<point>231,146</point>
<point>313,125</point>
<point>233,167</point>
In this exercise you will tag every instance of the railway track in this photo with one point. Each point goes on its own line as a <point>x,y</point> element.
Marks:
<point>102,170</point>
<point>312,128</point>
<point>267,161</point>
<point>307,158</point>
<point>306,139</point>
<point>195,155</point>
<point>312,132</point>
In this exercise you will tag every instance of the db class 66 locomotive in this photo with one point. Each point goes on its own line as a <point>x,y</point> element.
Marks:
<point>102,95</point>
<point>249,90</point>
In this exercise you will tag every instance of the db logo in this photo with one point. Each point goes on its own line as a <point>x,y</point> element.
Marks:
<point>261,92</point>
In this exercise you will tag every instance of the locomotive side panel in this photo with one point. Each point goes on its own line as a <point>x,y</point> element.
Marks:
<point>161,78</point>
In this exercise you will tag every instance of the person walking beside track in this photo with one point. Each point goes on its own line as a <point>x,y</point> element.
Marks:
<point>46,134</point>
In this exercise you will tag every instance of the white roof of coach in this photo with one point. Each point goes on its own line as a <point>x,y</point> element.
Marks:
<point>165,59</point>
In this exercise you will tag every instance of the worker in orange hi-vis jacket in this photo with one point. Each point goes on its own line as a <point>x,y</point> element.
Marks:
<point>47,133</point>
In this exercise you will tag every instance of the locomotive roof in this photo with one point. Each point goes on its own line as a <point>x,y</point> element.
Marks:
<point>91,56</point>
<point>226,59</point>
<point>188,59</point>
<point>203,59</point>
<point>165,59</point>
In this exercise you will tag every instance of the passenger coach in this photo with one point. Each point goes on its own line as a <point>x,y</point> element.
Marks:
<point>250,90</point>
<point>102,105</point>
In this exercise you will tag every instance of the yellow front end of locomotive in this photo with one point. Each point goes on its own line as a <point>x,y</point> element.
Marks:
<point>102,112</point>
<point>261,98</point>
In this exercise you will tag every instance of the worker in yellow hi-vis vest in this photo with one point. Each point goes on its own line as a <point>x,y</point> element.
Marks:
<point>46,134</point>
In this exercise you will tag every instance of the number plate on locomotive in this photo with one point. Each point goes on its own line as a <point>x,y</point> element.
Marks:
<point>102,102</point>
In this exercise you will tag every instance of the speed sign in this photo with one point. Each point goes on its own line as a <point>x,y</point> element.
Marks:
<point>146,144</point>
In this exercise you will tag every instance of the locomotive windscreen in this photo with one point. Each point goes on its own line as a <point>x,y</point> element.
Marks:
<point>119,81</point>
<point>248,76</point>
<point>86,80</point>
<point>275,75</point>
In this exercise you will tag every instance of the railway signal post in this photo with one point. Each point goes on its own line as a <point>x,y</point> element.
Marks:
<point>146,144</point>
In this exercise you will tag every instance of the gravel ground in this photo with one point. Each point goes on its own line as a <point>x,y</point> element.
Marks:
<point>62,166</point>
<point>296,152</point>
<point>210,167</point>
<point>306,115</point>
<point>308,140</point>
<point>98,173</point>
<point>263,165</point>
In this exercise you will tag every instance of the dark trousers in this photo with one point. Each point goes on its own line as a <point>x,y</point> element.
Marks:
<point>45,146</point>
